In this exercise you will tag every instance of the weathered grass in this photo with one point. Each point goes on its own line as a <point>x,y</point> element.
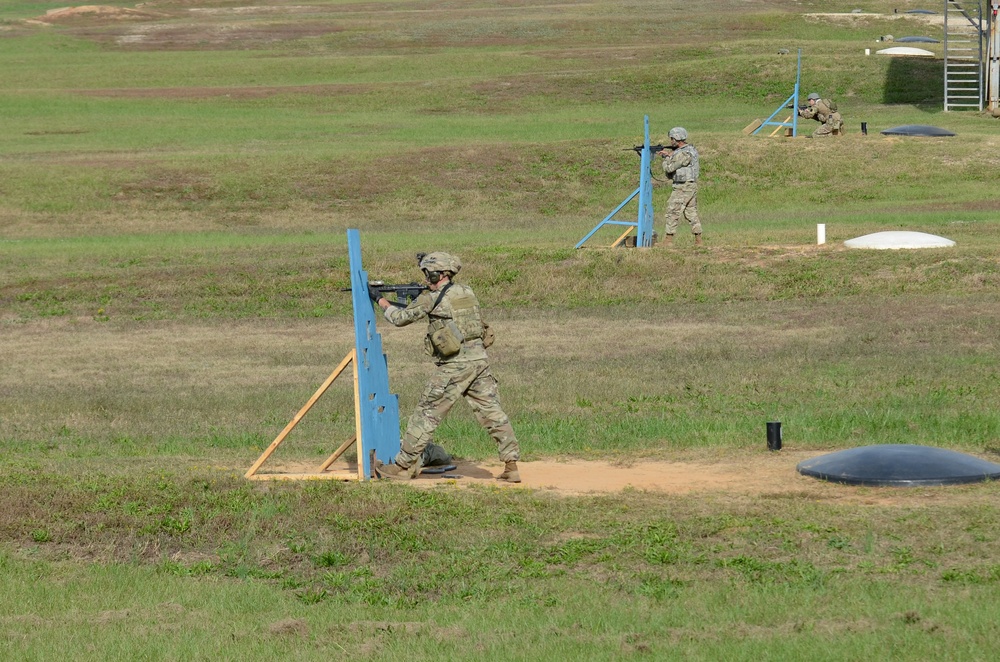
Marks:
<point>516,570</point>
<point>852,371</point>
<point>172,216</point>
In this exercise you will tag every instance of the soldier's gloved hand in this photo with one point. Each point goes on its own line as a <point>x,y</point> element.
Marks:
<point>373,293</point>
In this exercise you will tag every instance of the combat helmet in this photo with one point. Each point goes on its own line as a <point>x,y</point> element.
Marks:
<point>678,133</point>
<point>440,262</point>
<point>814,96</point>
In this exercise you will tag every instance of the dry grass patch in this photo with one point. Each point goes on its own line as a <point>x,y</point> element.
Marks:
<point>236,92</point>
<point>236,384</point>
<point>98,14</point>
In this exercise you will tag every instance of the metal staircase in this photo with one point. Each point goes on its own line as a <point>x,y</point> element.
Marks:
<point>963,55</point>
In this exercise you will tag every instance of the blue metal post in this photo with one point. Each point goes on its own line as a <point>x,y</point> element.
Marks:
<point>645,219</point>
<point>377,407</point>
<point>795,100</point>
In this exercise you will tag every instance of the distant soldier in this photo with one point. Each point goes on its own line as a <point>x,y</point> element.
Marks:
<point>680,164</point>
<point>455,339</point>
<point>825,112</point>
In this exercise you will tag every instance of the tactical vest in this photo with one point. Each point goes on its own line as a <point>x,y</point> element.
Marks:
<point>688,173</point>
<point>465,311</point>
<point>454,321</point>
<point>825,108</point>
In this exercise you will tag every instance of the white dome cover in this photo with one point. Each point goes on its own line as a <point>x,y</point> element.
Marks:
<point>899,239</point>
<point>904,50</point>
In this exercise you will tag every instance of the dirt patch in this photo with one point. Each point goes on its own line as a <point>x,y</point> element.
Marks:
<point>210,36</point>
<point>775,473</point>
<point>754,474</point>
<point>180,29</point>
<point>101,12</point>
<point>929,19</point>
<point>289,626</point>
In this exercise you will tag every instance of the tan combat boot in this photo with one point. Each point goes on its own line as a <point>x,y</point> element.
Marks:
<point>668,240</point>
<point>697,240</point>
<point>510,473</point>
<point>392,471</point>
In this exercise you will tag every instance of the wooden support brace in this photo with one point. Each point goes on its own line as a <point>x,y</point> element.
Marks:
<point>326,475</point>
<point>775,132</point>
<point>620,239</point>
<point>350,358</point>
<point>337,453</point>
<point>357,423</point>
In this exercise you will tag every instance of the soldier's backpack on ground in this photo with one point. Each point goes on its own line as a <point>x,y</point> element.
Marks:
<point>435,456</point>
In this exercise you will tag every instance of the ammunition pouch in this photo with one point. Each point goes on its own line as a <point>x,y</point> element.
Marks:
<point>445,338</point>
<point>489,335</point>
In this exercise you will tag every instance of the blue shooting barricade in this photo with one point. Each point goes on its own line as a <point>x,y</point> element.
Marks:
<point>644,220</point>
<point>791,123</point>
<point>376,410</point>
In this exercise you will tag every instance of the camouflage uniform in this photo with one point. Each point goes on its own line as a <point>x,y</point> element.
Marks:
<point>466,373</point>
<point>683,167</point>
<point>825,112</point>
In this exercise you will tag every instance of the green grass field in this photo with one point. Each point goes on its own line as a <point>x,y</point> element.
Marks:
<point>176,180</point>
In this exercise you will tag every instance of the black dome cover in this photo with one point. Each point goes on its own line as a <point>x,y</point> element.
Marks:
<point>899,465</point>
<point>916,130</point>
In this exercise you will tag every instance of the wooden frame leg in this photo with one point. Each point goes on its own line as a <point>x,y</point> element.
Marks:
<point>337,453</point>
<point>775,132</point>
<point>620,239</point>
<point>350,358</point>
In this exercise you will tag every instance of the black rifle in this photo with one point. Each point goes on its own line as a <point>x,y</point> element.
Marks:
<point>405,293</point>
<point>655,149</point>
<point>802,106</point>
